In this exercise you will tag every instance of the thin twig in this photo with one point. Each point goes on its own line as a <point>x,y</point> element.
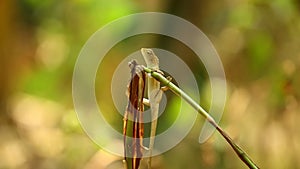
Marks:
<point>164,81</point>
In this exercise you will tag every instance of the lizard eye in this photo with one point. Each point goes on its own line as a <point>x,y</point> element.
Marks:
<point>149,52</point>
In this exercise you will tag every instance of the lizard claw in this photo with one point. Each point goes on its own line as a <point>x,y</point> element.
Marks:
<point>165,88</point>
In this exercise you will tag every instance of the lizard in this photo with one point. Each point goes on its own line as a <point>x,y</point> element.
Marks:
<point>154,95</point>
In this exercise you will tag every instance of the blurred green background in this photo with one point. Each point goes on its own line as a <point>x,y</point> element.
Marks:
<point>257,40</point>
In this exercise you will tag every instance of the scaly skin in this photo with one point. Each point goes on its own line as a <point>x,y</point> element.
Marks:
<point>154,94</point>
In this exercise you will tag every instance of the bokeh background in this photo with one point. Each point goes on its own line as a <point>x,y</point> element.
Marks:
<point>258,43</point>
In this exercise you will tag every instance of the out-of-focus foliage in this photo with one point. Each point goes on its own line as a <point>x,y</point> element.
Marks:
<point>259,45</point>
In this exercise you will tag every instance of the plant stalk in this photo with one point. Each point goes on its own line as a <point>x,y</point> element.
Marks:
<point>176,90</point>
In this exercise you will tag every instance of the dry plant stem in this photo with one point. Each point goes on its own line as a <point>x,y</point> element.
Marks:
<point>164,81</point>
<point>133,127</point>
